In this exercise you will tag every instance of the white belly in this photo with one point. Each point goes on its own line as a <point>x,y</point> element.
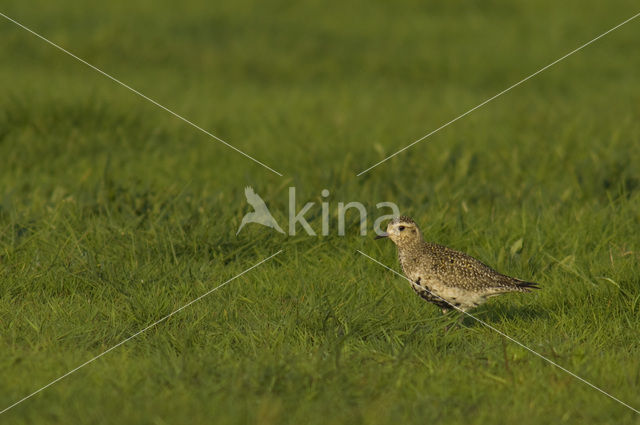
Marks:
<point>459,298</point>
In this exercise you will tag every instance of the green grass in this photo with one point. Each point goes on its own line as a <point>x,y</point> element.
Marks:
<point>113,213</point>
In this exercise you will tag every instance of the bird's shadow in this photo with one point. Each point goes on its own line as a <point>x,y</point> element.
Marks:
<point>501,313</point>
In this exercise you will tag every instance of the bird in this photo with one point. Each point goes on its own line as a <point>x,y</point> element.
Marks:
<point>261,215</point>
<point>448,278</point>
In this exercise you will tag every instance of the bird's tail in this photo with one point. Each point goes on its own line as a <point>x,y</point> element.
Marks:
<point>526,286</point>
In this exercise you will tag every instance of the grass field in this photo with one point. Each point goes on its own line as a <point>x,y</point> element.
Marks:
<point>113,213</point>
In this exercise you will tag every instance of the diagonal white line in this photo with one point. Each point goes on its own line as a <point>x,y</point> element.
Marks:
<point>140,94</point>
<point>499,94</point>
<point>509,338</point>
<point>137,333</point>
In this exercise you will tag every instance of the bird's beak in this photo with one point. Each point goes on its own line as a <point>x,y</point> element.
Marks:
<point>383,235</point>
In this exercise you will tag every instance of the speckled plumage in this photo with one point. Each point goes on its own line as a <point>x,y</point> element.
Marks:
<point>444,276</point>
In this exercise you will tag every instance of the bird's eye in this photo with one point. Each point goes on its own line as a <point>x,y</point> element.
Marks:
<point>401,228</point>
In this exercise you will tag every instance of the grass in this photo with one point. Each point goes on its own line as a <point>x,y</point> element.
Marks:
<point>114,213</point>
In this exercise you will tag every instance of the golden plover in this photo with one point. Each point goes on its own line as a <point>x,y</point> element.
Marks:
<point>445,277</point>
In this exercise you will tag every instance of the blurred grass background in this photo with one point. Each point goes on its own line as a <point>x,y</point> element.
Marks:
<point>113,213</point>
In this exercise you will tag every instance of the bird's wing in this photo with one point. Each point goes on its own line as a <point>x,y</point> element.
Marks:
<point>255,200</point>
<point>466,272</point>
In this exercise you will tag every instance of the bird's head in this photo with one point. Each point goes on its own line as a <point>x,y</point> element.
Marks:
<point>402,231</point>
